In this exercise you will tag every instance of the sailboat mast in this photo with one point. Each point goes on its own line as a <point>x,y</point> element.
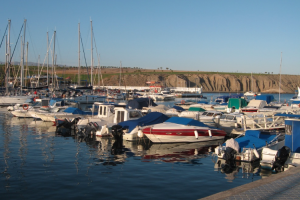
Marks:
<point>78,54</point>
<point>251,82</point>
<point>7,57</point>
<point>92,54</point>
<point>53,57</point>
<point>23,51</point>
<point>120,74</point>
<point>47,59</point>
<point>280,74</point>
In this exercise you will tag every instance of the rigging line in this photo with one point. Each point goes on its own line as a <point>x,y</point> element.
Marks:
<point>84,58</point>
<point>9,62</point>
<point>3,35</point>
<point>31,41</point>
<point>59,53</point>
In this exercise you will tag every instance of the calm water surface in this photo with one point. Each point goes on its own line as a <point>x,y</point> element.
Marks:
<point>37,164</point>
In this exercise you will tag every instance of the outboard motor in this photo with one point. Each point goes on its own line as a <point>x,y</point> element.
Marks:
<point>117,132</point>
<point>281,157</point>
<point>229,154</point>
<point>66,127</point>
<point>90,129</point>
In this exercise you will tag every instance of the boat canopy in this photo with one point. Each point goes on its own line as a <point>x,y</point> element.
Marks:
<point>149,119</point>
<point>198,109</point>
<point>76,111</point>
<point>237,103</point>
<point>295,102</point>
<point>257,103</point>
<point>267,98</point>
<point>186,121</point>
<point>179,108</point>
<point>139,103</point>
<point>254,137</point>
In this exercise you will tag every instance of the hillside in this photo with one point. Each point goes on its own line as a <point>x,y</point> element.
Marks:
<point>211,82</point>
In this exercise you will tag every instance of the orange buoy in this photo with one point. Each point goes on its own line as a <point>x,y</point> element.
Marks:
<point>25,107</point>
<point>182,101</point>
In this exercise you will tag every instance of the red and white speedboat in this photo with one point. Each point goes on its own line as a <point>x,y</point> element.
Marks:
<point>180,129</point>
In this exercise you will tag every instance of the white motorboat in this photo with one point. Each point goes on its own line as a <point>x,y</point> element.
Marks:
<point>132,128</point>
<point>13,100</point>
<point>192,112</point>
<point>108,115</point>
<point>246,148</point>
<point>69,112</point>
<point>285,154</point>
<point>179,129</point>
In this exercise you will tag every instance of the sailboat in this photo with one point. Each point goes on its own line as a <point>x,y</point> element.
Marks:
<point>250,93</point>
<point>79,86</point>
<point>13,99</point>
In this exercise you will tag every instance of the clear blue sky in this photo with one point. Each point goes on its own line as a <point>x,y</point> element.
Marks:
<point>216,35</point>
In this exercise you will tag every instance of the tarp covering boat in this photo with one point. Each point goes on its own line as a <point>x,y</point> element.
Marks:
<point>186,121</point>
<point>149,119</point>
<point>139,103</point>
<point>267,98</point>
<point>77,111</point>
<point>237,103</point>
<point>198,109</point>
<point>255,137</point>
<point>178,108</point>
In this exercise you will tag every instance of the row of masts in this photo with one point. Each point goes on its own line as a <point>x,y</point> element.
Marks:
<point>8,58</point>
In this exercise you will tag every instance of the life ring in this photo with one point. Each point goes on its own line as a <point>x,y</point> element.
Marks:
<point>25,107</point>
<point>182,101</point>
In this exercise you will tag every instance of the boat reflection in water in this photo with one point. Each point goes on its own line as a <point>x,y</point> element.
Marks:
<point>232,168</point>
<point>179,152</point>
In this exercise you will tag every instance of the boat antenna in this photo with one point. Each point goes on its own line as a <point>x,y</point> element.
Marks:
<point>280,74</point>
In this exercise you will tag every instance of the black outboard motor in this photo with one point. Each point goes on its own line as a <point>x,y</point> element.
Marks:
<point>66,127</point>
<point>117,132</point>
<point>230,164</point>
<point>281,157</point>
<point>229,154</point>
<point>90,129</point>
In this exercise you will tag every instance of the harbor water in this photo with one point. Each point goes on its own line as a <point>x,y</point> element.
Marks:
<point>35,163</point>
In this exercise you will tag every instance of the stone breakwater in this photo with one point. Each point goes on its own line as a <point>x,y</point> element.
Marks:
<point>214,82</point>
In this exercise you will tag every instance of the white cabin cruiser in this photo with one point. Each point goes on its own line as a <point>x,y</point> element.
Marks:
<point>108,115</point>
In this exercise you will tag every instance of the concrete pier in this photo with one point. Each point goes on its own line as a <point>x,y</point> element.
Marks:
<point>284,185</point>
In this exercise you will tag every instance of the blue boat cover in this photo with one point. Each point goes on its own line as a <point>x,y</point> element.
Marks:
<point>295,102</point>
<point>236,96</point>
<point>287,115</point>
<point>149,119</point>
<point>255,137</point>
<point>179,108</point>
<point>77,111</point>
<point>186,121</point>
<point>139,103</point>
<point>292,134</point>
<point>204,102</point>
<point>265,97</point>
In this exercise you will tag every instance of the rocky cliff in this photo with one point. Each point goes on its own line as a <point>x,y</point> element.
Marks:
<point>213,82</point>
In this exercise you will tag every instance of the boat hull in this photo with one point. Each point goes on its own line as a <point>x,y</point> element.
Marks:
<point>182,135</point>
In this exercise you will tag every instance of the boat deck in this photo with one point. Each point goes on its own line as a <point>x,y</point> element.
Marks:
<point>284,185</point>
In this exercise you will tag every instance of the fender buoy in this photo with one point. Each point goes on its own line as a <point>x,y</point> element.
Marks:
<point>25,107</point>
<point>182,101</point>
